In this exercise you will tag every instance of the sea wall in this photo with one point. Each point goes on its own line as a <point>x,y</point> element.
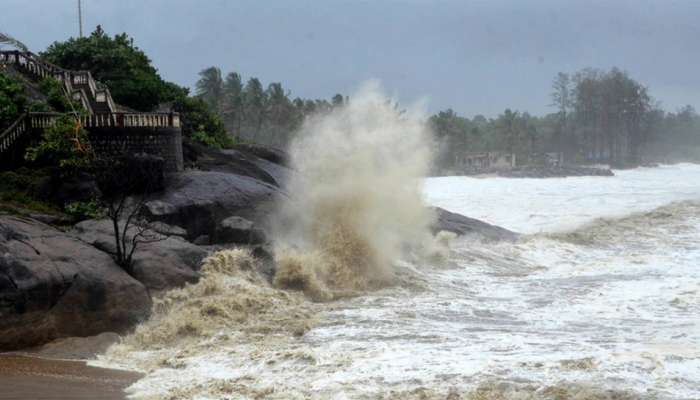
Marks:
<point>165,142</point>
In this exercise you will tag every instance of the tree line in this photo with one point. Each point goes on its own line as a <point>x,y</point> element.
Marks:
<point>600,117</point>
<point>256,114</point>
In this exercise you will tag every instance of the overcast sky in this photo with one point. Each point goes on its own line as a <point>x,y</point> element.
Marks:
<point>474,57</point>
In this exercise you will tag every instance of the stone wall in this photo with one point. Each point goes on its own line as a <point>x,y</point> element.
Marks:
<point>162,142</point>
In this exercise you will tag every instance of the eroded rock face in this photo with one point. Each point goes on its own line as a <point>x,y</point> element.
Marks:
<point>54,285</point>
<point>161,265</point>
<point>198,200</point>
<point>243,182</point>
<point>262,163</point>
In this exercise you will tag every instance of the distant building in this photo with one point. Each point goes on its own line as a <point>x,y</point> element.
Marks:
<point>485,162</point>
<point>551,159</point>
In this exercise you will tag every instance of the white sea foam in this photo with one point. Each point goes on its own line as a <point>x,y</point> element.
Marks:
<point>611,304</point>
<point>559,204</point>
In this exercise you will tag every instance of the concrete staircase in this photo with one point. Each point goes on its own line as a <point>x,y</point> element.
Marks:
<point>80,86</point>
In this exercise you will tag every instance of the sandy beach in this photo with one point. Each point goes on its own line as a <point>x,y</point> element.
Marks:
<point>23,377</point>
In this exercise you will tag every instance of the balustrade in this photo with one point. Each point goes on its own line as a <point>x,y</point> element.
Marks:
<point>32,65</point>
<point>112,120</point>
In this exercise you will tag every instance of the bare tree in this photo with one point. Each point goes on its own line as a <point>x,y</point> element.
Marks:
<point>127,183</point>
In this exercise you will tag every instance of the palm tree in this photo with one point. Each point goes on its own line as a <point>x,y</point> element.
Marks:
<point>210,87</point>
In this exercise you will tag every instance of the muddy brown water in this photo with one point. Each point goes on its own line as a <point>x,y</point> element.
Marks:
<point>23,377</point>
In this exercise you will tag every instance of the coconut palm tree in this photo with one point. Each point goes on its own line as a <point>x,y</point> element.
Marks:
<point>210,87</point>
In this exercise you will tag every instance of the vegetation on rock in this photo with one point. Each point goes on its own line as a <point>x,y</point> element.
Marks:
<point>118,63</point>
<point>12,100</point>
<point>135,83</point>
<point>64,144</point>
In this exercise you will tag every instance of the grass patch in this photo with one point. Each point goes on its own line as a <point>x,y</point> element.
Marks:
<point>19,189</point>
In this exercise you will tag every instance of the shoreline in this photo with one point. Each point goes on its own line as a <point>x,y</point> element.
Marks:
<point>558,172</point>
<point>24,376</point>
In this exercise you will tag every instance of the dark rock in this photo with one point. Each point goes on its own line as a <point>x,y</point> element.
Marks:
<point>168,264</point>
<point>138,173</point>
<point>53,285</point>
<point>66,189</point>
<point>160,265</point>
<point>238,230</point>
<point>51,219</point>
<point>198,200</point>
<point>256,162</point>
<point>78,187</point>
<point>461,225</point>
<point>202,240</point>
<point>168,230</point>
<point>157,208</point>
<point>275,156</point>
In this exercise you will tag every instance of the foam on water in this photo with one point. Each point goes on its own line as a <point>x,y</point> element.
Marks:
<point>606,311</point>
<point>560,204</point>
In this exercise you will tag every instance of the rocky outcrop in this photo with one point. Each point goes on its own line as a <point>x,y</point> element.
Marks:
<point>258,162</point>
<point>161,265</point>
<point>54,285</point>
<point>243,182</point>
<point>238,230</point>
<point>198,200</point>
<point>554,171</point>
<point>461,225</point>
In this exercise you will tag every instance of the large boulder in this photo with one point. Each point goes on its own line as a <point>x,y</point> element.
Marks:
<point>243,183</point>
<point>53,285</point>
<point>238,230</point>
<point>257,162</point>
<point>461,225</point>
<point>198,200</point>
<point>164,264</point>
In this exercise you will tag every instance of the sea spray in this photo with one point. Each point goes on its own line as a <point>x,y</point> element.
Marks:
<point>546,303</point>
<point>356,198</point>
<point>231,304</point>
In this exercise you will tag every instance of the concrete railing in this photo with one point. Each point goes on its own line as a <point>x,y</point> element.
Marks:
<point>41,69</point>
<point>111,120</point>
<point>80,86</point>
<point>12,133</point>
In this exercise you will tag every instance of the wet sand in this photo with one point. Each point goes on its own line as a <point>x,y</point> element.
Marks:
<point>34,378</point>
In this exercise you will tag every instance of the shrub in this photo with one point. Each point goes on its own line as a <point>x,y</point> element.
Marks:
<point>81,210</point>
<point>200,124</point>
<point>19,188</point>
<point>56,98</point>
<point>64,144</point>
<point>118,63</point>
<point>12,100</point>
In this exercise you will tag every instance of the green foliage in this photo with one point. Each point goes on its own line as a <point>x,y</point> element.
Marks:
<point>205,139</point>
<point>19,189</point>
<point>82,210</point>
<point>255,114</point>
<point>601,116</point>
<point>55,97</point>
<point>200,124</point>
<point>118,63</point>
<point>64,144</point>
<point>12,100</point>
<point>135,83</point>
<point>210,88</point>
